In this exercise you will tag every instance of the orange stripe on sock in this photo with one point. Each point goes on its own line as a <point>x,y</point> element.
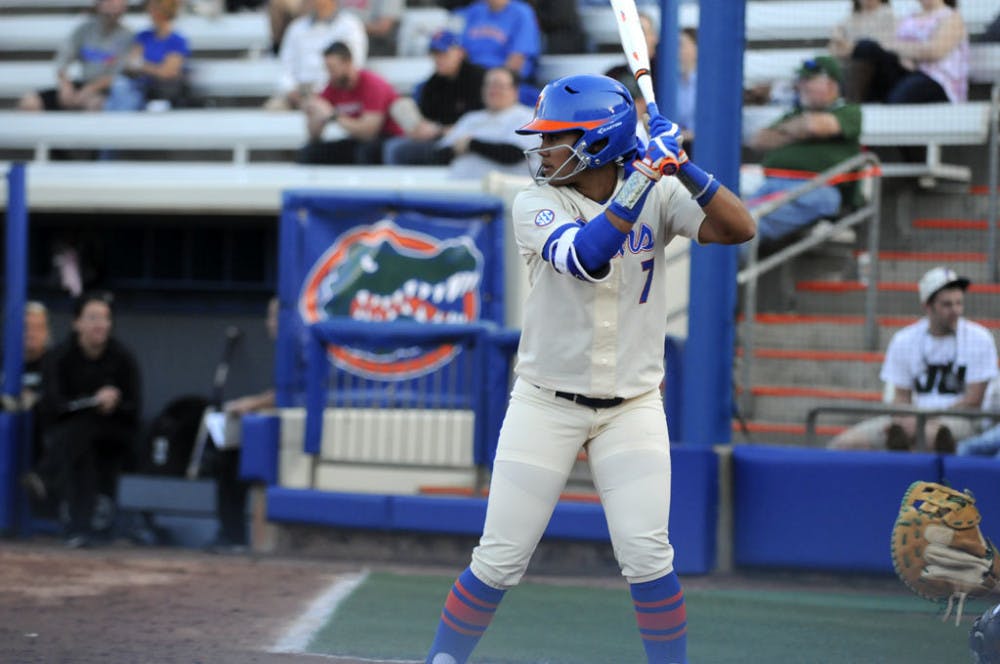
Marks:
<point>661,621</point>
<point>660,602</point>
<point>466,613</point>
<point>472,598</point>
<point>665,637</point>
<point>461,630</point>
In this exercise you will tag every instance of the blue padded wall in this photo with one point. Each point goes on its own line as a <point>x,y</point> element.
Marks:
<point>328,508</point>
<point>261,439</point>
<point>13,505</point>
<point>820,509</point>
<point>694,508</point>
<point>982,476</point>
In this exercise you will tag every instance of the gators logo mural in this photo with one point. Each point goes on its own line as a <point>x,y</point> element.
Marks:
<point>382,272</point>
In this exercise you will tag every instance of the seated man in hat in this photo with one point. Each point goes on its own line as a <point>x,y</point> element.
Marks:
<point>455,88</point>
<point>820,131</point>
<point>943,361</point>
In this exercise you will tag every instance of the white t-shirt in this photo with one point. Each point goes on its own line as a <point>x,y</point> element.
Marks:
<point>305,40</point>
<point>492,127</point>
<point>937,369</point>
<point>602,338</point>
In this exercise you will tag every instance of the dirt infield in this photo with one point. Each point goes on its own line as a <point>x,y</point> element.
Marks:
<point>126,605</point>
<point>121,605</point>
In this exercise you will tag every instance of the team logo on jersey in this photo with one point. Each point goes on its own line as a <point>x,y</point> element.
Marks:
<point>638,240</point>
<point>384,273</point>
<point>544,217</point>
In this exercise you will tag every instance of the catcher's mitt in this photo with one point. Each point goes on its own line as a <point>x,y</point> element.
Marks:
<point>937,548</point>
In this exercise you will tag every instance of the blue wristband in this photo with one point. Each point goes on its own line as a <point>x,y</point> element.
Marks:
<point>702,185</point>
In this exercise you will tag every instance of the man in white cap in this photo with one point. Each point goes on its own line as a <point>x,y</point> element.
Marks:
<point>943,361</point>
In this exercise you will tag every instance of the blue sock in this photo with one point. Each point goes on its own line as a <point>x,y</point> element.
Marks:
<point>662,618</point>
<point>467,613</point>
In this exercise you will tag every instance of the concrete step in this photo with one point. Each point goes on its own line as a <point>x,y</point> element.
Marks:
<point>909,266</point>
<point>846,369</point>
<point>791,403</point>
<point>943,234</point>
<point>782,433</point>
<point>894,298</point>
<point>830,332</point>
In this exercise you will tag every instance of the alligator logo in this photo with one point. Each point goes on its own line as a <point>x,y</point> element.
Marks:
<point>383,272</point>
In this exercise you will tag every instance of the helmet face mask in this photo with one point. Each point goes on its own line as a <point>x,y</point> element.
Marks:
<point>599,108</point>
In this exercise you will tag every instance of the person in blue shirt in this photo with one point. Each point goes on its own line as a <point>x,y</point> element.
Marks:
<point>504,33</point>
<point>155,67</point>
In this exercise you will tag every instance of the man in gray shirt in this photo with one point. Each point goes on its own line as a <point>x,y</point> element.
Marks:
<point>99,44</point>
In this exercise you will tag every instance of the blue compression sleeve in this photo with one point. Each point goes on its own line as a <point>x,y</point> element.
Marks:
<point>597,243</point>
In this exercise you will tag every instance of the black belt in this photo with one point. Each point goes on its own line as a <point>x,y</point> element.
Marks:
<point>591,402</point>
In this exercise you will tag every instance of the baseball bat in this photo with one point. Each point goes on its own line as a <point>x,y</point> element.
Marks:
<point>634,45</point>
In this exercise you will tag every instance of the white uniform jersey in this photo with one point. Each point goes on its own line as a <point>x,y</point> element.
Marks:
<point>603,338</point>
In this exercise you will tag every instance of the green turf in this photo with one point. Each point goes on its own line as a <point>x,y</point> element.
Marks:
<point>394,617</point>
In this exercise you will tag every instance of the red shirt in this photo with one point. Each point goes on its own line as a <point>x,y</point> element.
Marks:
<point>371,93</point>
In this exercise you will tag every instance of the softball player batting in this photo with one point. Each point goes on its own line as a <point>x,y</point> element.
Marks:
<point>593,230</point>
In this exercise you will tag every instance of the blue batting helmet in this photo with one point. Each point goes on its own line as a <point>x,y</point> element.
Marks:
<point>984,637</point>
<point>599,107</point>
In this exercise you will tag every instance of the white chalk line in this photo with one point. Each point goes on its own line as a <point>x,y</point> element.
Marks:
<point>297,638</point>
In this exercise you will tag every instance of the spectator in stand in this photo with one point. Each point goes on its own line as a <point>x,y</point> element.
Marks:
<point>303,72</point>
<point>687,85</point>
<point>873,20</point>
<point>926,61</point>
<point>155,68</point>
<point>92,398</point>
<point>562,29</point>
<point>356,102</point>
<point>484,141</point>
<point>230,489</point>
<point>381,20</point>
<point>455,88</point>
<point>943,361</point>
<point>869,19</point>
<point>992,32</point>
<point>280,13</point>
<point>987,443</point>
<point>36,347</point>
<point>99,44</point>
<point>821,131</point>
<point>504,33</point>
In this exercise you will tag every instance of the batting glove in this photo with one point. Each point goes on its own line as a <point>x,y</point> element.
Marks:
<point>667,134</point>
<point>664,154</point>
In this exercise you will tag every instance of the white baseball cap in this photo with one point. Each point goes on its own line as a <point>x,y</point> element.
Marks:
<point>938,278</point>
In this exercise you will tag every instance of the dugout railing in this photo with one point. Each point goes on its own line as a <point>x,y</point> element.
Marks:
<point>874,410</point>
<point>426,420</point>
<point>869,165</point>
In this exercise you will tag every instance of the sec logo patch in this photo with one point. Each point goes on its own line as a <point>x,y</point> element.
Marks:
<point>544,217</point>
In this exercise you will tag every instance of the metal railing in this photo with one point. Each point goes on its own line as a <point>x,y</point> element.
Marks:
<point>873,410</point>
<point>994,182</point>
<point>754,269</point>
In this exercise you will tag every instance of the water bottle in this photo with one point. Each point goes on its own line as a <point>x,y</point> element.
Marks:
<point>864,267</point>
<point>160,448</point>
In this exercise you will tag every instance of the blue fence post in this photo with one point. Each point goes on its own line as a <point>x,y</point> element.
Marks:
<point>317,377</point>
<point>289,325</point>
<point>14,426</point>
<point>708,353</point>
<point>16,281</point>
